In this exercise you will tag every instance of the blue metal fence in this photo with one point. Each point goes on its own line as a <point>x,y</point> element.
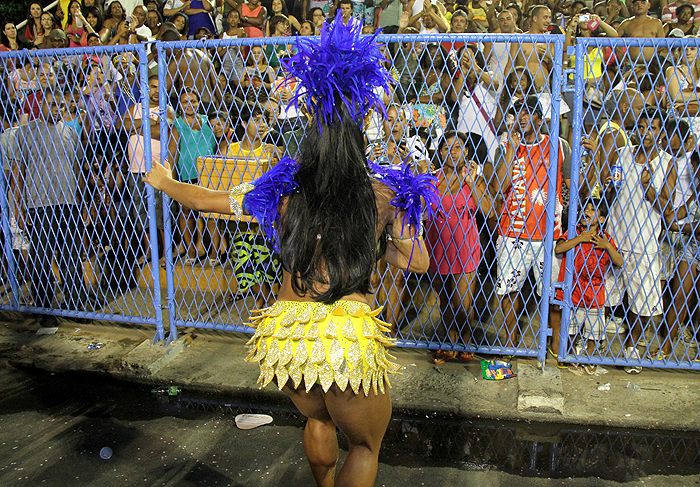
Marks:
<point>462,305</point>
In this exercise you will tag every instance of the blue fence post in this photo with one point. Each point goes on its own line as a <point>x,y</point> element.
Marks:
<point>150,194</point>
<point>167,227</point>
<point>7,241</point>
<point>552,177</point>
<point>574,187</point>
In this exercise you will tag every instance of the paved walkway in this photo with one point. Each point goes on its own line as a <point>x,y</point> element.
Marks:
<point>211,360</point>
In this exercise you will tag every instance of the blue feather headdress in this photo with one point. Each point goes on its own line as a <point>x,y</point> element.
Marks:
<point>343,67</point>
<point>263,200</point>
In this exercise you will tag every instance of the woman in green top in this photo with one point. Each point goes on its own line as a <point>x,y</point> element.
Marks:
<point>279,24</point>
<point>196,140</point>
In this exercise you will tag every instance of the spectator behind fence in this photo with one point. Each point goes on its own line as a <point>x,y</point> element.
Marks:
<point>253,17</point>
<point>391,11</point>
<point>429,111</point>
<point>129,5</point>
<point>154,21</point>
<point>196,140</point>
<point>472,89</point>
<point>537,57</point>
<point>191,68</point>
<point>279,24</point>
<point>395,130</point>
<point>45,164</point>
<point>256,268</point>
<point>93,24</point>
<point>680,248</point>
<point>611,10</point>
<point>220,124</point>
<point>98,105</point>
<point>231,57</point>
<point>518,85</point>
<point>682,84</point>
<point>34,31</point>
<point>172,7</point>
<point>640,25</point>
<point>429,20</point>
<point>623,109</point>
<point>32,106</point>
<point>48,23</point>
<point>75,26</point>
<point>672,11</point>
<point>182,25</point>
<point>199,15</point>
<point>307,28</point>
<point>9,40</point>
<point>279,8</point>
<point>258,77</point>
<point>132,124</point>
<point>453,240</point>
<point>138,24</point>
<point>595,251</point>
<point>636,214</point>
<point>684,22</point>
<point>317,16</point>
<point>114,14</point>
<point>522,180</point>
<point>497,54</point>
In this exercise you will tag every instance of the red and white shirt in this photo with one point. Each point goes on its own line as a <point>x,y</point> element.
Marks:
<point>524,209</point>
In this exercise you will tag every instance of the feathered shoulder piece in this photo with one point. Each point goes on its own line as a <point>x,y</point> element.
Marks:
<point>414,193</point>
<point>342,66</point>
<point>263,200</point>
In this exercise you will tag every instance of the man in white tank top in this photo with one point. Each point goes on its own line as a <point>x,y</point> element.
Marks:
<point>680,249</point>
<point>636,220</point>
<point>497,54</point>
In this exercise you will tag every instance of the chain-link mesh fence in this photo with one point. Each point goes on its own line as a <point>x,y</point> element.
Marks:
<point>493,117</point>
<point>75,224</point>
<point>631,272</point>
<point>446,116</point>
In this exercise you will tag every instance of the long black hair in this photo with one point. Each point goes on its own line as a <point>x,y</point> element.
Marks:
<point>328,231</point>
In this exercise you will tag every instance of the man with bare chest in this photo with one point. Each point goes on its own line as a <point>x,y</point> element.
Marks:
<point>537,57</point>
<point>640,25</point>
<point>192,68</point>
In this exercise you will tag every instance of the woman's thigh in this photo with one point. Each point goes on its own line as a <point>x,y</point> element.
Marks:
<point>311,404</point>
<point>363,419</point>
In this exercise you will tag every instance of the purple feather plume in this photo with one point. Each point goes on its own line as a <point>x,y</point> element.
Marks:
<point>343,67</point>
<point>263,201</point>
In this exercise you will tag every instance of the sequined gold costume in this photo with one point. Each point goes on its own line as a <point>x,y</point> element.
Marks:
<point>342,342</point>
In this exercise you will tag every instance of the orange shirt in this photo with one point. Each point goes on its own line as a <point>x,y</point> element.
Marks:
<point>523,214</point>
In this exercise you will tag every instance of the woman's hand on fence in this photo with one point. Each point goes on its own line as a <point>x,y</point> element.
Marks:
<point>158,174</point>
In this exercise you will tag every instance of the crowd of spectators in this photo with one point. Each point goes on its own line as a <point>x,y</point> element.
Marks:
<point>477,114</point>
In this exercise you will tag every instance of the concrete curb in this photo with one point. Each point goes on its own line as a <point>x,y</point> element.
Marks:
<point>212,361</point>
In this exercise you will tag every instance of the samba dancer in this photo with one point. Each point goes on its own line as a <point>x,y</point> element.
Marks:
<point>321,342</point>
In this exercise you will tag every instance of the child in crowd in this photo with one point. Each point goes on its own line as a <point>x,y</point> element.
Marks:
<point>594,252</point>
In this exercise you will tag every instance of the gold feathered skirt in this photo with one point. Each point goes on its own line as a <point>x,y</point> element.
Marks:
<point>343,342</point>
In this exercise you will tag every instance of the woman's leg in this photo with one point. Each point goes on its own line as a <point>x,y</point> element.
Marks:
<point>363,420</point>
<point>444,287</point>
<point>320,439</point>
<point>462,302</point>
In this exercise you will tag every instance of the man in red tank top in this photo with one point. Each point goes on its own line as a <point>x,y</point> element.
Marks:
<point>522,179</point>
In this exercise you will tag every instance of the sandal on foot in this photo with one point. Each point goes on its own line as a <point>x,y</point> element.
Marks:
<point>465,356</point>
<point>577,370</point>
<point>441,356</point>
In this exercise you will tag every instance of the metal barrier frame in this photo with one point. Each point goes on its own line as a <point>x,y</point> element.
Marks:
<point>557,41</point>
<point>580,51</point>
<point>157,320</point>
